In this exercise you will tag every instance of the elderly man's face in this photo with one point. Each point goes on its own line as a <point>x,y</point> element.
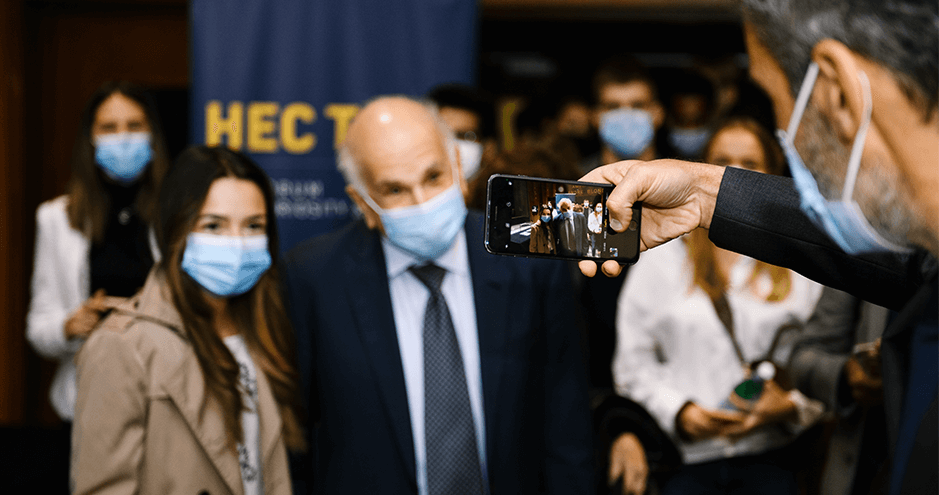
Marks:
<point>405,168</point>
<point>401,157</point>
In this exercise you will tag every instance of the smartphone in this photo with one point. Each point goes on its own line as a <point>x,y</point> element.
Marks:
<point>550,218</point>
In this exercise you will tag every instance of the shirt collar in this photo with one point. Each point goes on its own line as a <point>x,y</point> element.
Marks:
<point>454,260</point>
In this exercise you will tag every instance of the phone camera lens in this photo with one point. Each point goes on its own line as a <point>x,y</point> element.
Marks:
<point>509,204</point>
<point>510,183</point>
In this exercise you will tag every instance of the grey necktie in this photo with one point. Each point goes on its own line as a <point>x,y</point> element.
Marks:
<point>449,435</point>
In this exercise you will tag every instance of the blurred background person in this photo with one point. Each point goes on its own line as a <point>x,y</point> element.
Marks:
<point>470,113</point>
<point>574,120</point>
<point>191,387</point>
<point>837,361</point>
<point>94,244</point>
<point>627,112</point>
<point>689,114</point>
<point>686,337</point>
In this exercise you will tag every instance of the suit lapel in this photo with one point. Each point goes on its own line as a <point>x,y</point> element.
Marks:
<point>368,293</point>
<point>491,296</point>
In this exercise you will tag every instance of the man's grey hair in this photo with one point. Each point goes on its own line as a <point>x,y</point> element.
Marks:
<point>350,168</point>
<point>564,200</point>
<point>901,35</point>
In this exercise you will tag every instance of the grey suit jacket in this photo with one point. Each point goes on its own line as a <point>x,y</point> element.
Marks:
<point>840,320</point>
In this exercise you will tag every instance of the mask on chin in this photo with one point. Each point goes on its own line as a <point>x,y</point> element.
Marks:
<point>842,219</point>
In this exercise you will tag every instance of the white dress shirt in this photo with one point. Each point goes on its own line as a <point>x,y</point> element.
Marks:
<point>408,301</point>
<point>672,348</point>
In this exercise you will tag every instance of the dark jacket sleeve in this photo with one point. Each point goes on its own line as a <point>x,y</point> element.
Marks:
<point>758,215</point>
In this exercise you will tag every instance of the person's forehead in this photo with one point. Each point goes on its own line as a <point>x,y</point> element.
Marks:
<point>229,196</point>
<point>119,106</point>
<point>629,92</point>
<point>737,139</point>
<point>402,156</point>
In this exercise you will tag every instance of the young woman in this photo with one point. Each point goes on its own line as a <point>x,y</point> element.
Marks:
<point>190,386</point>
<point>691,321</point>
<point>96,238</point>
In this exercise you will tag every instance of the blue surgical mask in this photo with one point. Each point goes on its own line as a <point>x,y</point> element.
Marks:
<point>689,142</point>
<point>627,131</point>
<point>224,265</point>
<point>123,156</point>
<point>842,218</point>
<point>427,230</point>
<point>545,218</point>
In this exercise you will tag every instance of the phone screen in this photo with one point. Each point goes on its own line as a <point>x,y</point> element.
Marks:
<point>556,219</point>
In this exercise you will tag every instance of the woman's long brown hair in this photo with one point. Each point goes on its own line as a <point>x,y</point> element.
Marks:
<point>88,202</point>
<point>701,250</point>
<point>259,314</point>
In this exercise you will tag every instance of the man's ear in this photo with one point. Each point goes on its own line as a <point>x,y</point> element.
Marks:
<point>838,90</point>
<point>372,220</point>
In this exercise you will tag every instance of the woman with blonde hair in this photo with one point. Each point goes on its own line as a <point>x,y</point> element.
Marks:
<point>190,386</point>
<point>693,323</point>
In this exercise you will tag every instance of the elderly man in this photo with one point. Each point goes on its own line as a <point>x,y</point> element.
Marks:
<point>433,367</point>
<point>570,230</point>
<point>857,82</point>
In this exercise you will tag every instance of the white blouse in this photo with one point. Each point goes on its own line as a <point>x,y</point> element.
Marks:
<point>672,348</point>
<point>249,451</point>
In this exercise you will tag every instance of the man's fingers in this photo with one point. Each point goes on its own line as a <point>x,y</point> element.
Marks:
<point>618,203</point>
<point>635,483</point>
<point>611,268</point>
<point>587,267</point>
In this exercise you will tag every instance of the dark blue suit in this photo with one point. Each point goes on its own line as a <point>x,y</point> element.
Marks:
<point>533,378</point>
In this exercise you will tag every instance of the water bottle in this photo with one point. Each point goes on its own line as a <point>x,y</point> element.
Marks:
<point>745,395</point>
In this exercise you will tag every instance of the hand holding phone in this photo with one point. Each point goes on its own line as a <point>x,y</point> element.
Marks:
<point>549,218</point>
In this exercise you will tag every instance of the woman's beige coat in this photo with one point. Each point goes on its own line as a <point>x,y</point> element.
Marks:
<point>143,423</point>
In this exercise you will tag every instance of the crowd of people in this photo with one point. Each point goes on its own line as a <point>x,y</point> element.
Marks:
<point>571,229</point>
<point>774,337</point>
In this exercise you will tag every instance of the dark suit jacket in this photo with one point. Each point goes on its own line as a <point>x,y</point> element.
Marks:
<point>758,215</point>
<point>533,379</point>
<point>572,238</point>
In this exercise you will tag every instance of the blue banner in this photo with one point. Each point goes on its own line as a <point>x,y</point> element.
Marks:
<point>281,79</point>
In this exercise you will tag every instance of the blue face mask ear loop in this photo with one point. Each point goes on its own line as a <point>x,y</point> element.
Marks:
<point>854,161</point>
<point>802,101</point>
